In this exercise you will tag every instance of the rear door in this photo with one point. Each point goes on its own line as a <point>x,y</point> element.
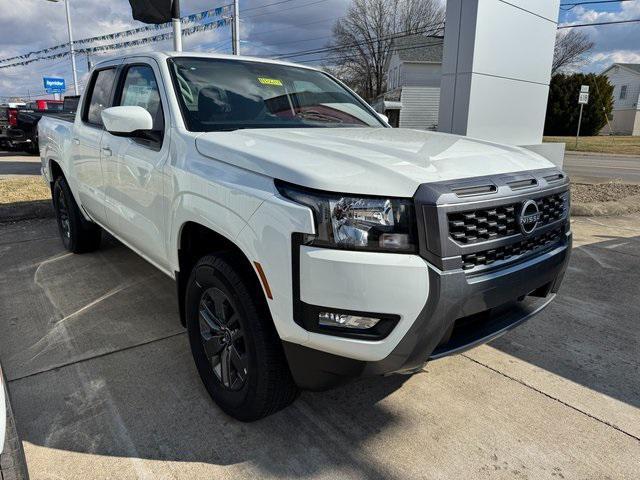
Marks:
<point>86,149</point>
<point>133,172</point>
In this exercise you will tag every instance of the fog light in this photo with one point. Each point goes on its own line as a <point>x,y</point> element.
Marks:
<point>327,319</point>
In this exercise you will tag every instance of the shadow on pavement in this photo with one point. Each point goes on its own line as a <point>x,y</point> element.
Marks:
<point>591,333</point>
<point>129,388</point>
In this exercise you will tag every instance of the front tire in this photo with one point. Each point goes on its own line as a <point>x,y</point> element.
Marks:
<point>235,346</point>
<point>78,235</point>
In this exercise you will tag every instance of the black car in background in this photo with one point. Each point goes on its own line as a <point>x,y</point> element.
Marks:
<point>19,123</point>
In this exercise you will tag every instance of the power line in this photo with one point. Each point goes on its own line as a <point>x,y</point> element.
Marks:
<point>355,56</point>
<point>407,33</point>
<point>598,23</point>
<point>243,18</point>
<point>297,25</point>
<point>575,4</point>
<point>267,5</point>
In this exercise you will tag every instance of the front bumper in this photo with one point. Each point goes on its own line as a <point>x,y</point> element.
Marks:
<point>462,311</point>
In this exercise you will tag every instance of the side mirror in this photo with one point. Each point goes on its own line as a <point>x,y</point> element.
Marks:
<point>384,118</point>
<point>126,121</point>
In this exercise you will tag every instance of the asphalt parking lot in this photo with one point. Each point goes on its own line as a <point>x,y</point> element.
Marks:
<point>104,385</point>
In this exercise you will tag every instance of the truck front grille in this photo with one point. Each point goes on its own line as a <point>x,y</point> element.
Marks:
<point>506,252</point>
<point>473,226</point>
<point>480,229</point>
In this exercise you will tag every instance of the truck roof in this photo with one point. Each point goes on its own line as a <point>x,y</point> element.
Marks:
<point>160,56</point>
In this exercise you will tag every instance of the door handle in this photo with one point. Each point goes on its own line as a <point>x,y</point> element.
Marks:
<point>107,151</point>
<point>76,141</point>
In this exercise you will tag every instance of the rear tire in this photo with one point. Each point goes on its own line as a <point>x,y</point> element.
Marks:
<point>230,328</point>
<point>78,234</point>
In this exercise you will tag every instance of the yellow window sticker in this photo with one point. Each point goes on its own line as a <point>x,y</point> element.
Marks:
<point>270,81</point>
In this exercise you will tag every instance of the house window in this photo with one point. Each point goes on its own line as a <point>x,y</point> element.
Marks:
<point>623,92</point>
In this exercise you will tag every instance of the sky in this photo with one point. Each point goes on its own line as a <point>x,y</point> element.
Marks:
<point>291,26</point>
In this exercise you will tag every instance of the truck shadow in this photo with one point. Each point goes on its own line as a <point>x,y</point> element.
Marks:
<point>590,333</point>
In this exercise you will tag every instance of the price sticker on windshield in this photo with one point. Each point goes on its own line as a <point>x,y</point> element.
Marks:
<point>270,81</point>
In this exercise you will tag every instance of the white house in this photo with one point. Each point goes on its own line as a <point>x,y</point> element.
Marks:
<point>413,83</point>
<point>625,78</point>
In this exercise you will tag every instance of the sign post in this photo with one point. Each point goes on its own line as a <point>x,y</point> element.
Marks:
<point>54,85</point>
<point>583,99</point>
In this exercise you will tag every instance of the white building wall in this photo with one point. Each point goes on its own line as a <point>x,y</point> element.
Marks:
<point>421,74</point>
<point>619,76</point>
<point>420,107</point>
<point>392,72</point>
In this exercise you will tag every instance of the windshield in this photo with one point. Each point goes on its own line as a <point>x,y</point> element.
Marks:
<point>221,94</point>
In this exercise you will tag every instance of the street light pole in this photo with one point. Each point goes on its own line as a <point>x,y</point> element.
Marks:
<point>177,26</point>
<point>235,28</point>
<point>72,51</point>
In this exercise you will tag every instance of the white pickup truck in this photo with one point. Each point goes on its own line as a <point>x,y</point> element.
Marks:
<point>310,243</point>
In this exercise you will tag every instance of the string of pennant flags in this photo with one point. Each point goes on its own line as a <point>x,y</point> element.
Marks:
<point>220,23</point>
<point>43,54</point>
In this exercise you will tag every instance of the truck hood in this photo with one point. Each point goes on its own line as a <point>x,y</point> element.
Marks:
<point>373,161</point>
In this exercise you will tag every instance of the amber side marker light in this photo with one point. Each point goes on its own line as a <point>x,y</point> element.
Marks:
<point>263,279</point>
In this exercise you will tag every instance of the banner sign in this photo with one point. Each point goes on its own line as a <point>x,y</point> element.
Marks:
<point>132,43</point>
<point>195,17</point>
<point>54,85</point>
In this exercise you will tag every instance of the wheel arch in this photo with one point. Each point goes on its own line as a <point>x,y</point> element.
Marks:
<point>195,241</point>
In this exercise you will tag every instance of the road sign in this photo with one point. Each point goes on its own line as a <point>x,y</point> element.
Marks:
<point>584,89</point>
<point>583,98</point>
<point>54,84</point>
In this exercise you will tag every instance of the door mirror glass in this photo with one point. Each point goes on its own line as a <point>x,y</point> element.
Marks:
<point>127,121</point>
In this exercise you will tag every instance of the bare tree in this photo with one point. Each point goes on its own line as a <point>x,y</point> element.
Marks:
<point>570,50</point>
<point>362,40</point>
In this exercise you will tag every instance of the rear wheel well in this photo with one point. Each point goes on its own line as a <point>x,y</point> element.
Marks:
<point>56,171</point>
<point>196,241</point>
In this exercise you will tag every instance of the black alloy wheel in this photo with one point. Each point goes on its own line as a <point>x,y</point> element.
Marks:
<point>233,340</point>
<point>78,234</point>
<point>64,223</point>
<point>223,339</point>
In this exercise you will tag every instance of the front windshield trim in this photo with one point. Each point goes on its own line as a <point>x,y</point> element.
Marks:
<point>186,115</point>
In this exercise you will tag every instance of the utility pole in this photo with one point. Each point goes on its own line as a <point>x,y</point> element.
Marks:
<point>72,51</point>
<point>177,26</point>
<point>235,28</point>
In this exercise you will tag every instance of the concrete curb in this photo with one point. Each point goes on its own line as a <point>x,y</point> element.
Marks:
<point>14,212</point>
<point>606,209</point>
<point>600,154</point>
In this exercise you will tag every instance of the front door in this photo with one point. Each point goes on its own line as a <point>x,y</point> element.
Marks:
<point>133,168</point>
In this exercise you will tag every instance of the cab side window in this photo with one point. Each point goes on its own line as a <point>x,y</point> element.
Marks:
<point>100,95</point>
<point>141,89</point>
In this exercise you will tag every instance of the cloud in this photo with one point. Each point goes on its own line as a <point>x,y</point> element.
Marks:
<point>265,31</point>
<point>613,43</point>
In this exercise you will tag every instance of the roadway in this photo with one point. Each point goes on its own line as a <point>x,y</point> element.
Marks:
<point>597,168</point>
<point>582,168</point>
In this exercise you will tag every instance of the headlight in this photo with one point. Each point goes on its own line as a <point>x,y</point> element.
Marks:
<point>357,222</point>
